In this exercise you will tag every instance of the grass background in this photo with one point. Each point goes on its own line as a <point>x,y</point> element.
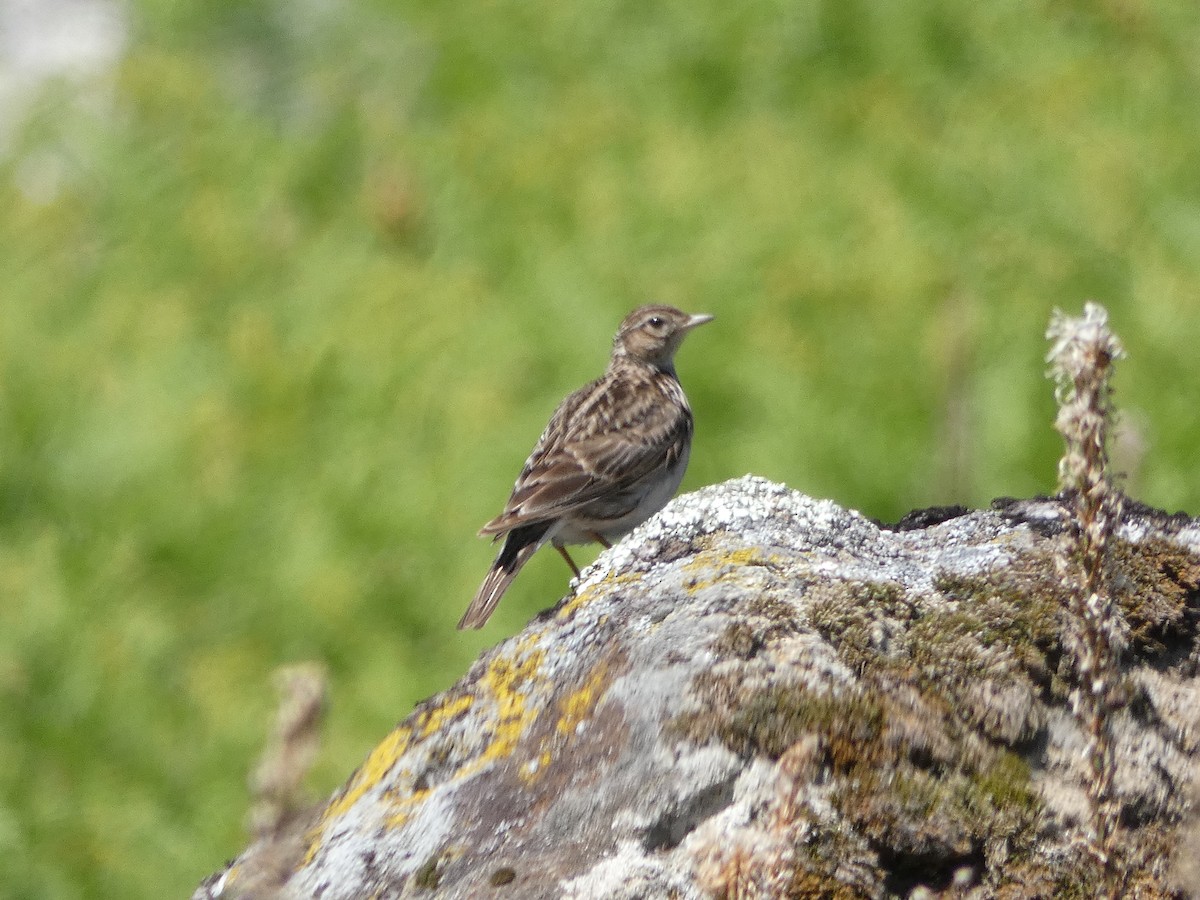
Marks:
<point>288,298</point>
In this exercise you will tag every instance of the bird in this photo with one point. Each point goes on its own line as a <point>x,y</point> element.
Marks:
<point>612,455</point>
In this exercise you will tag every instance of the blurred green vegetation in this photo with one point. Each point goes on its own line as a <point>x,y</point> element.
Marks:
<point>289,298</point>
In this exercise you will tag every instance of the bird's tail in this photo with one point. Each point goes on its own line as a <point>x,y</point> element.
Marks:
<point>520,544</point>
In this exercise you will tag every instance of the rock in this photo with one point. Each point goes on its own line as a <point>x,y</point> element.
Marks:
<point>758,694</point>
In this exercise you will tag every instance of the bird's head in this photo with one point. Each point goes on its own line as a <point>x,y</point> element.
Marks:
<point>652,334</point>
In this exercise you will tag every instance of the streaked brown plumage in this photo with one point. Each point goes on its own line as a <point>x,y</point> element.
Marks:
<point>612,455</point>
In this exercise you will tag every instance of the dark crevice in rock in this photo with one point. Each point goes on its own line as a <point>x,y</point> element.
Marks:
<point>1131,508</point>
<point>1144,812</point>
<point>927,518</point>
<point>670,830</point>
<point>1036,512</point>
<point>905,872</point>
<point>1041,514</point>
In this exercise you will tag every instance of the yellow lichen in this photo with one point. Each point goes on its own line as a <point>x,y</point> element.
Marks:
<point>573,709</point>
<point>592,591</point>
<point>403,808</point>
<point>378,764</point>
<point>505,684</point>
<point>384,758</point>
<point>508,680</point>
<point>432,720</point>
<point>578,705</point>
<point>710,567</point>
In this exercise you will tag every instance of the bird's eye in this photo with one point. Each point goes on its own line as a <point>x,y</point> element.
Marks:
<point>655,322</point>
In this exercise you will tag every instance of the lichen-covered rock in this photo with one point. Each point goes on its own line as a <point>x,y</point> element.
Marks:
<point>757,694</point>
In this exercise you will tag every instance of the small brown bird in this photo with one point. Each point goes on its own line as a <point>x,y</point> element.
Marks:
<point>611,457</point>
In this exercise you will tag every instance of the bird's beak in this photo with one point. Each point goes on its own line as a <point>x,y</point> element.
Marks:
<point>698,319</point>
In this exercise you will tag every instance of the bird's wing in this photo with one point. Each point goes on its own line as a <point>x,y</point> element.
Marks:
<point>603,438</point>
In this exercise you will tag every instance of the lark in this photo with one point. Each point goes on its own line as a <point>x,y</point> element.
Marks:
<point>612,455</point>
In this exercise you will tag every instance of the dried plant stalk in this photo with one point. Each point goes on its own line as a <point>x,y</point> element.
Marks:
<point>1081,359</point>
<point>277,782</point>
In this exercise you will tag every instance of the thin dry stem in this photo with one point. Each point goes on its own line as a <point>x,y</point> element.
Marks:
<point>277,782</point>
<point>1081,359</point>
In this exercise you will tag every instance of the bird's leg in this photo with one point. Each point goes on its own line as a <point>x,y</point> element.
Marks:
<point>570,562</point>
<point>600,539</point>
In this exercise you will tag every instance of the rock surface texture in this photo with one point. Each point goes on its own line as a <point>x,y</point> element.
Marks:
<point>757,694</point>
